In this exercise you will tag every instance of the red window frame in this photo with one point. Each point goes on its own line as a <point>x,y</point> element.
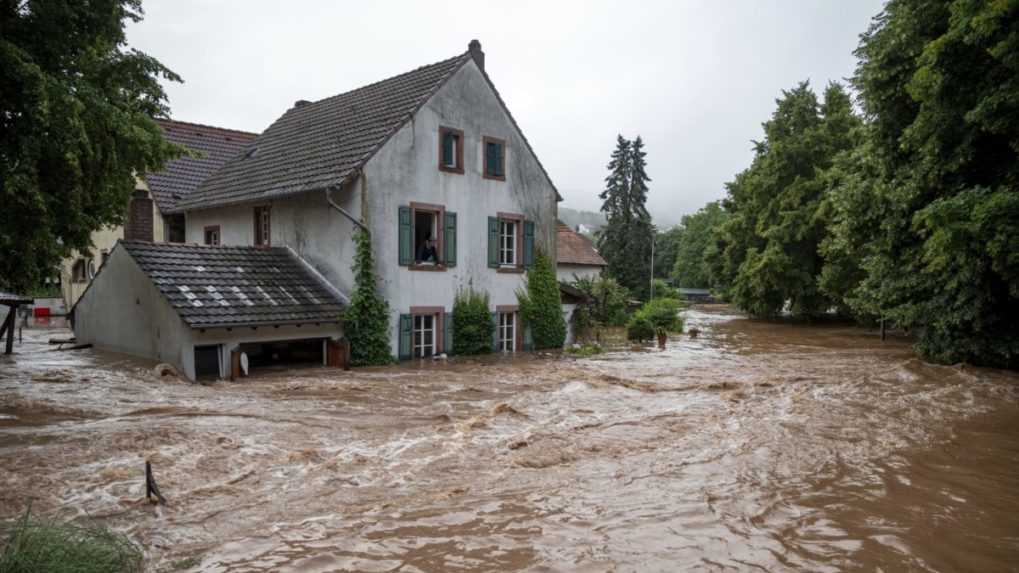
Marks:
<point>518,255</point>
<point>439,313</point>
<point>440,239</point>
<point>459,169</point>
<point>484,158</point>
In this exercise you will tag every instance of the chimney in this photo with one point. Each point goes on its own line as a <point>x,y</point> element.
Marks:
<point>301,103</point>
<point>474,48</point>
<point>139,223</point>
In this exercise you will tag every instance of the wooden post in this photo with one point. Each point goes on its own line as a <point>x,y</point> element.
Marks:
<point>9,327</point>
<point>882,330</point>
<point>151,489</point>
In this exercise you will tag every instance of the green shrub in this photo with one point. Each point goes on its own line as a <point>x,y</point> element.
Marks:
<point>663,313</point>
<point>608,300</point>
<point>540,305</point>
<point>36,545</point>
<point>665,290</point>
<point>472,322</point>
<point>639,328</point>
<point>366,322</point>
<point>585,350</point>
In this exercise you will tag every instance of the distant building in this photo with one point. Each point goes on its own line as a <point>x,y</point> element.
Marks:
<point>696,294</point>
<point>576,256</point>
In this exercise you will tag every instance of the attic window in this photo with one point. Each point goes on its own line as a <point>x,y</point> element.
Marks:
<point>251,153</point>
<point>495,158</point>
<point>451,152</point>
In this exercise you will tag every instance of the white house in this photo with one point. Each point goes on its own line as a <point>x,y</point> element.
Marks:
<point>577,256</point>
<point>430,162</point>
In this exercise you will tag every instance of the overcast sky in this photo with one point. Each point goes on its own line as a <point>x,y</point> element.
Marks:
<point>695,79</point>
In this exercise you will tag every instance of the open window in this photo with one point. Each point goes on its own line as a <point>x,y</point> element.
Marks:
<point>174,228</point>
<point>495,158</point>
<point>427,237</point>
<point>451,152</point>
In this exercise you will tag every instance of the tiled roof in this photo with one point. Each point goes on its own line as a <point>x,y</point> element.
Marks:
<point>181,176</point>
<point>572,248</point>
<point>318,144</point>
<point>11,298</point>
<point>236,286</point>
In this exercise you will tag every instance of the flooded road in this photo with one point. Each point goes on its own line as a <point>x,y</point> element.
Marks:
<point>756,446</point>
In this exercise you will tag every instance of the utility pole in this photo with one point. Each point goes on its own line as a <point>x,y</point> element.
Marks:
<point>653,264</point>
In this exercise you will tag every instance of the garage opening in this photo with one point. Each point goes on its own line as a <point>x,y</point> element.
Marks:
<point>284,353</point>
<point>207,362</point>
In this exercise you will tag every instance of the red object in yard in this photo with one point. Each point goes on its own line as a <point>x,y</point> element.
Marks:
<point>40,311</point>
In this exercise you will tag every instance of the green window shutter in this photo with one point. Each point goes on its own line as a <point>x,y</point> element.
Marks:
<point>448,149</point>
<point>528,339</point>
<point>493,242</point>
<point>406,234</point>
<point>490,166</point>
<point>528,243</point>
<point>499,160</point>
<point>406,322</point>
<point>449,236</point>
<point>447,335</point>
<point>495,332</point>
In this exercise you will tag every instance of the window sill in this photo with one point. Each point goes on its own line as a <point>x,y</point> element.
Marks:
<point>510,270</point>
<point>457,170</point>
<point>493,177</point>
<point>433,268</point>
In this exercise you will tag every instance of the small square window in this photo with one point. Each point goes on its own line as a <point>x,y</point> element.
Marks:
<point>495,158</point>
<point>451,152</point>
<point>212,235</point>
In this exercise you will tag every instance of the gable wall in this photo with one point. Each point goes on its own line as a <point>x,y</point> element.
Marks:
<point>406,170</point>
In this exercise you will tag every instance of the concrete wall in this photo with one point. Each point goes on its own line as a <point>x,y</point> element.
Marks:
<point>570,273</point>
<point>123,311</point>
<point>406,170</point>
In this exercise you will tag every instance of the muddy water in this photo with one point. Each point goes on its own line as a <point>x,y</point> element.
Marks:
<point>753,447</point>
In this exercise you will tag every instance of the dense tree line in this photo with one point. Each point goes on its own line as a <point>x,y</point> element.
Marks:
<point>907,212</point>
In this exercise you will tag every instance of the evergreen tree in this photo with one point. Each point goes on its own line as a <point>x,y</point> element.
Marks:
<point>76,125</point>
<point>625,242</point>
<point>366,322</point>
<point>541,306</point>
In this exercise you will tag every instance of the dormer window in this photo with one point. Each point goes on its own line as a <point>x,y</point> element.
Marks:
<point>495,158</point>
<point>451,152</point>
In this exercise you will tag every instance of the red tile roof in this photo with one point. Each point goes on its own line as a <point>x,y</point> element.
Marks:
<point>214,145</point>
<point>576,249</point>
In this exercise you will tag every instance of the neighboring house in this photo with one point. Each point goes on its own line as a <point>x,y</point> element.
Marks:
<point>429,154</point>
<point>701,295</point>
<point>149,215</point>
<point>577,257</point>
<point>199,308</point>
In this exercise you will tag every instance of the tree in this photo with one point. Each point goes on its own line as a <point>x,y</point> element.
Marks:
<point>666,247</point>
<point>76,125</point>
<point>771,254</point>
<point>608,299</point>
<point>366,322</point>
<point>625,242</point>
<point>694,239</point>
<point>924,229</point>
<point>540,305</point>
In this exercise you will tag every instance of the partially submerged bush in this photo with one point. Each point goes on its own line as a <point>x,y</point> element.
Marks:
<point>540,305</point>
<point>608,300</point>
<point>472,322</point>
<point>33,545</point>
<point>585,350</point>
<point>655,315</point>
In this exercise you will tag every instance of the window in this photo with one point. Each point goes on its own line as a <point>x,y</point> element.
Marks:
<point>426,237</point>
<point>495,159</point>
<point>427,240</point>
<point>262,226</point>
<point>174,228</point>
<point>507,243</point>
<point>507,332</point>
<point>424,335</point>
<point>451,152</point>
<point>78,271</point>
<point>212,235</point>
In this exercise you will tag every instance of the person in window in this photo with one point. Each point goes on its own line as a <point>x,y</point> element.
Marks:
<point>426,252</point>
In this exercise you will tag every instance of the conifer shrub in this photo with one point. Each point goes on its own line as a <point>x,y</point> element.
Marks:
<point>32,545</point>
<point>472,322</point>
<point>366,322</point>
<point>540,305</point>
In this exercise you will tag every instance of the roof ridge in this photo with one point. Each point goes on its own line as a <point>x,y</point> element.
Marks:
<point>204,125</point>
<point>390,78</point>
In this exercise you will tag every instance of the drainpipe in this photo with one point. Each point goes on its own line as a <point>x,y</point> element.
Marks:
<point>343,211</point>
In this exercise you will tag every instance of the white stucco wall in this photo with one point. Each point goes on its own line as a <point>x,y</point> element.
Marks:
<point>406,170</point>
<point>570,273</point>
<point>123,311</point>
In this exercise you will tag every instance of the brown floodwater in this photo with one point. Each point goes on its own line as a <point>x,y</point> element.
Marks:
<point>755,446</point>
